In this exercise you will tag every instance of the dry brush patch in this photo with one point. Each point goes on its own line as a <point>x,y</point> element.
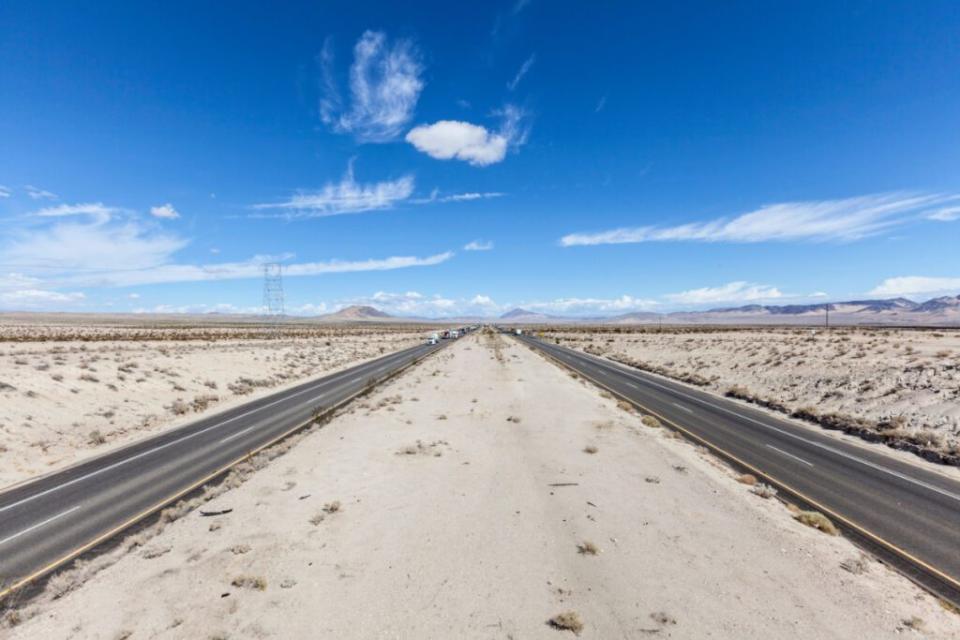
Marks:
<point>892,386</point>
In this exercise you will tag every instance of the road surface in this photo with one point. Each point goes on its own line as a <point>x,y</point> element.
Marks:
<point>47,521</point>
<point>907,515</point>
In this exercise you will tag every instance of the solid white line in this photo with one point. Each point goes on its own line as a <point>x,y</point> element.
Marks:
<point>120,463</point>
<point>790,455</point>
<point>680,406</point>
<point>872,465</point>
<point>238,433</point>
<point>39,524</point>
<point>634,386</point>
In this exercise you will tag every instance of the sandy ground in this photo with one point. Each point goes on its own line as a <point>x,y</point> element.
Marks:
<point>907,381</point>
<point>68,392</point>
<point>451,503</point>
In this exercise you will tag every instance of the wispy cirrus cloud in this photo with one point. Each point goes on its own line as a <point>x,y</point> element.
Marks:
<point>385,85</point>
<point>478,245</point>
<point>36,193</point>
<point>522,71</point>
<point>910,285</point>
<point>842,220</point>
<point>472,143</point>
<point>46,256</point>
<point>344,197</point>
<point>5,192</point>
<point>98,211</point>
<point>435,196</point>
<point>947,214</point>
<point>739,291</point>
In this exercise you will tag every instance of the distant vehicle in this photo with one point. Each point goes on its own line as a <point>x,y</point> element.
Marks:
<point>519,332</point>
<point>454,334</point>
<point>432,340</point>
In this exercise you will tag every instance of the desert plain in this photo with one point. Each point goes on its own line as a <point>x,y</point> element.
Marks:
<point>483,493</point>
<point>76,388</point>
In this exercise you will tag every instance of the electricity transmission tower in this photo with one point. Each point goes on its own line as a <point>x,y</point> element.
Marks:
<point>273,290</point>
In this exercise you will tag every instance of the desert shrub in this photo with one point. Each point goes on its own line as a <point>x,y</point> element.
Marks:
<point>818,521</point>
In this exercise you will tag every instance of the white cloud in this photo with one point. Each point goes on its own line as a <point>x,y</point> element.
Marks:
<point>52,251</point>
<point>482,301</point>
<point>731,292</point>
<point>819,220</point>
<point>908,285</point>
<point>581,306</point>
<point>165,211</point>
<point>947,214</point>
<point>385,84</point>
<point>524,69</point>
<point>39,194</point>
<point>31,299</point>
<point>472,143</point>
<point>96,210</point>
<point>4,192</point>
<point>600,105</point>
<point>134,296</point>
<point>346,196</point>
<point>478,245</point>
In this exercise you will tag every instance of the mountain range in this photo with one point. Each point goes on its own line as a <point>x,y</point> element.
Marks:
<point>942,311</point>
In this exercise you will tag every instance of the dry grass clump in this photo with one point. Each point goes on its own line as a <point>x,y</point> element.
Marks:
<point>748,479</point>
<point>201,402</point>
<point>914,623</point>
<point>179,408</point>
<point>513,419</point>
<point>250,582</point>
<point>240,549</point>
<point>567,621</point>
<point>763,490</point>
<point>95,438</point>
<point>422,449</point>
<point>650,421</point>
<point>818,521</point>
<point>625,406</point>
<point>332,507</point>
<point>587,548</point>
<point>591,449</point>
<point>856,566</point>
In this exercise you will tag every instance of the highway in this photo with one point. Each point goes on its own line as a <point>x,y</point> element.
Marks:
<point>52,519</point>
<point>906,515</point>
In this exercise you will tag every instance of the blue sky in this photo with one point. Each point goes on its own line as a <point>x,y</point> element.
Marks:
<point>439,160</point>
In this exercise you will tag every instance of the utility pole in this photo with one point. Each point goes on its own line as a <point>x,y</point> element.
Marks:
<point>827,309</point>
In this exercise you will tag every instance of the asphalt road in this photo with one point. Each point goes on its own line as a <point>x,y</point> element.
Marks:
<point>49,520</point>
<point>907,515</point>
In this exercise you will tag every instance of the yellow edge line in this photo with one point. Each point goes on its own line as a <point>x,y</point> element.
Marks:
<point>889,545</point>
<point>176,496</point>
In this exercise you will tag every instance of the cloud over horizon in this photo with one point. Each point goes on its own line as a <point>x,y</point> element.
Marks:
<point>914,285</point>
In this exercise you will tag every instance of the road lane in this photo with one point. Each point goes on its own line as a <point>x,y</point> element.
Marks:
<point>50,519</point>
<point>907,515</point>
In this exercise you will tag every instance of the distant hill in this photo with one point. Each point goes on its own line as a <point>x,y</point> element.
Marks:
<point>524,315</point>
<point>358,312</point>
